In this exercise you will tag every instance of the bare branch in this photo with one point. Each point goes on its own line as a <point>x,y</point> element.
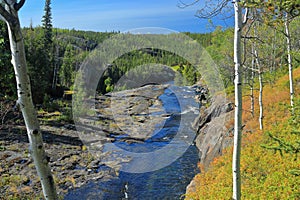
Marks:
<point>245,67</point>
<point>208,12</point>
<point>10,2</point>
<point>18,6</point>
<point>184,5</point>
<point>246,16</point>
<point>246,35</point>
<point>276,29</point>
<point>6,15</point>
<point>255,38</point>
<point>249,37</point>
<point>9,5</point>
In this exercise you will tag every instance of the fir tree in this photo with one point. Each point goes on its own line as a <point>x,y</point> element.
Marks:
<point>47,23</point>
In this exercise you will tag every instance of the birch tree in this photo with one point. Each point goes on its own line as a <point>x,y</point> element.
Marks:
<point>236,171</point>
<point>289,55</point>
<point>212,10</point>
<point>252,81</point>
<point>9,13</point>
<point>260,97</point>
<point>285,11</point>
<point>259,70</point>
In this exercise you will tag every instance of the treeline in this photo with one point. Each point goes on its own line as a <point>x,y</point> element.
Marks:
<point>53,66</point>
<point>54,56</point>
<point>53,62</point>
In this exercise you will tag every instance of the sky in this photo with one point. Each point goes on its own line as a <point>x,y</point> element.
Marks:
<point>119,15</point>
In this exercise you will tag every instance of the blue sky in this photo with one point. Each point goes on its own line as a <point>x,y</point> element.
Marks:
<point>118,15</point>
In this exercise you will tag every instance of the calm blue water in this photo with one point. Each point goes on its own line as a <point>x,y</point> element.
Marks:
<point>167,182</point>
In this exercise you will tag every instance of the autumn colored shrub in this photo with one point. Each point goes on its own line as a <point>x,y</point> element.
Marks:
<point>269,164</point>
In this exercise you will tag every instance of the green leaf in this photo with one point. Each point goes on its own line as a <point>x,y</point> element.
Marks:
<point>295,172</point>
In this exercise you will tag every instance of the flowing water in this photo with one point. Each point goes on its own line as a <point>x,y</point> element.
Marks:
<point>164,175</point>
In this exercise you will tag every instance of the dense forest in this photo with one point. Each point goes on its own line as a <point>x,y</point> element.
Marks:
<point>66,52</point>
<point>270,60</point>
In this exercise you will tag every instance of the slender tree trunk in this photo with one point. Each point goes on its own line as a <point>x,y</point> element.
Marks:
<point>55,70</point>
<point>261,108</point>
<point>252,82</point>
<point>238,103</point>
<point>260,79</point>
<point>260,101</point>
<point>25,101</point>
<point>288,45</point>
<point>274,47</point>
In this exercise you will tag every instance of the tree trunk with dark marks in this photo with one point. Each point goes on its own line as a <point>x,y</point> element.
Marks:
<point>9,14</point>
<point>238,102</point>
<point>290,64</point>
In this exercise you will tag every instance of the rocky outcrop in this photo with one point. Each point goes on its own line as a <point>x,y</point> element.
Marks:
<point>212,134</point>
<point>129,115</point>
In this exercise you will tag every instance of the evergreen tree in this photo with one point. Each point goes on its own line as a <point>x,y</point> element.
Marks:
<point>48,44</point>
<point>47,24</point>
<point>38,64</point>
<point>39,47</point>
<point>67,71</point>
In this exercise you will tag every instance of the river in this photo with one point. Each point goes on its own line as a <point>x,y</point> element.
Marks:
<point>165,182</point>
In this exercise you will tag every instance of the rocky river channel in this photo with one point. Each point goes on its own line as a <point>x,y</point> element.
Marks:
<point>149,131</point>
<point>142,143</point>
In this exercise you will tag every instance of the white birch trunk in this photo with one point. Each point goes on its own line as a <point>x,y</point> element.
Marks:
<point>252,82</point>
<point>238,103</point>
<point>260,100</point>
<point>261,108</point>
<point>25,102</point>
<point>260,79</point>
<point>290,65</point>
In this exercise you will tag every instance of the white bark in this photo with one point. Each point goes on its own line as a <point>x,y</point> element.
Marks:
<point>260,101</point>
<point>260,79</point>
<point>261,108</point>
<point>252,82</point>
<point>290,65</point>
<point>238,103</point>
<point>25,100</point>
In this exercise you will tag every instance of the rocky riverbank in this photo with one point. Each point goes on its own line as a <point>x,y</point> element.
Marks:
<point>132,114</point>
<point>213,131</point>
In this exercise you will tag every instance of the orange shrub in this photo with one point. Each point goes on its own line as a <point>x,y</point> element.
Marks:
<point>265,174</point>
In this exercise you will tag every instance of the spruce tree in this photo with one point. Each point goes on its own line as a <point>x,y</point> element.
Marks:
<point>39,47</point>
<point>48,67</point>
<point>47,23</point>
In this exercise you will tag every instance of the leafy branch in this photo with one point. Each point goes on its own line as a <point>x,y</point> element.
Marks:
<point>283,146</point>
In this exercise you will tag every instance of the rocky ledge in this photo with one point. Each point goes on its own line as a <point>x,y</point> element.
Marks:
<point>212,133</point>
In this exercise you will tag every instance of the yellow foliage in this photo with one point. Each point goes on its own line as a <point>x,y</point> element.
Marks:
<point>265,174</point>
